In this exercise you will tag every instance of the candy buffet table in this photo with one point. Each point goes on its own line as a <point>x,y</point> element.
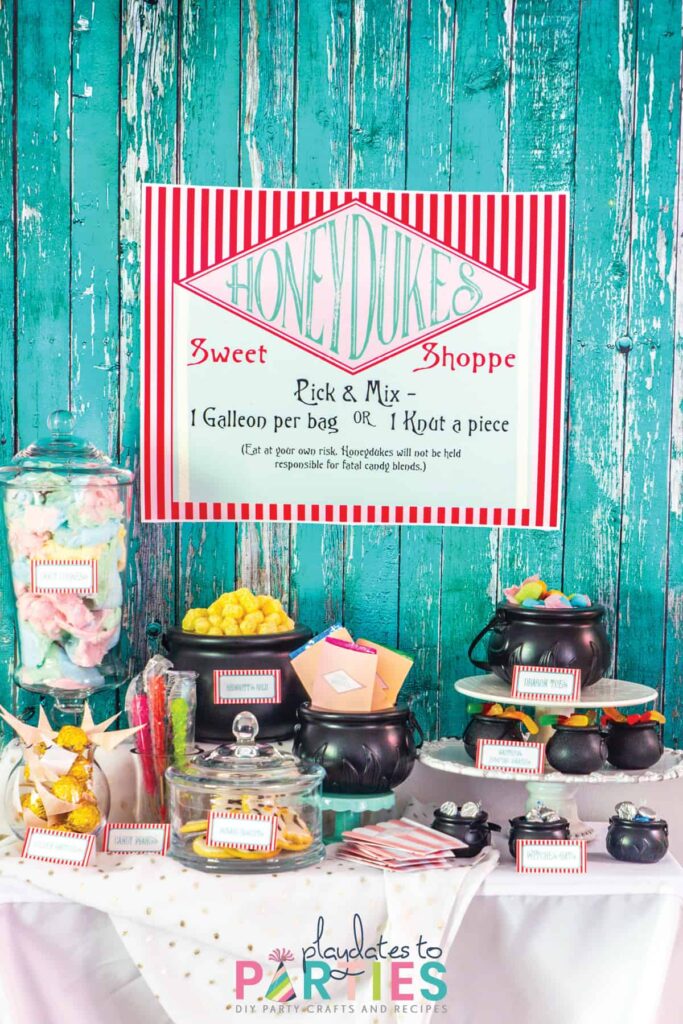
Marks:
<point>119,945</point>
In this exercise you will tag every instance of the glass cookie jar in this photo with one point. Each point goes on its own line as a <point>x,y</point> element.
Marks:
<point>246,807</point>
<point>66,511</point>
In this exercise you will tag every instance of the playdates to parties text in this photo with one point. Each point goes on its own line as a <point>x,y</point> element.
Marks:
<point>400,973</point>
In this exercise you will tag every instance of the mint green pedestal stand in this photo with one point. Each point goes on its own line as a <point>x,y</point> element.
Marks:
<point>342,812</point>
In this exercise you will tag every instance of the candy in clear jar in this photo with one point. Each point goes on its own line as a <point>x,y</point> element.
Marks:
<point>66,510</point>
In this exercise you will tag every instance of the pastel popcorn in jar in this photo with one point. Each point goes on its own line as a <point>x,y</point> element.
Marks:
<point>66,511</point>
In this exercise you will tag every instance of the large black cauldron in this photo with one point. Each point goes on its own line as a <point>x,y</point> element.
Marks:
<point>552,637</point>
<point>371,752</point>
<point>208,654</point>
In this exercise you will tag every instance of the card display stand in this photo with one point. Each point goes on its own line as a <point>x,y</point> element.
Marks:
<point>553,788</point>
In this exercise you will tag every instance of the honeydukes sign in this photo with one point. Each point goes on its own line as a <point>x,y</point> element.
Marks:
<point>371,357</point>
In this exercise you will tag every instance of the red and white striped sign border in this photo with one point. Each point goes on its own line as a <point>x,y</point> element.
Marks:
<point>161,827</point>
<point>575,673</point>
<point>524,235</point>
<point>537,748</point>
<point>88,591</point>
<point>240,816</point>
<point>277,691</point>
<point>34,836</point>
<point>522,844</point>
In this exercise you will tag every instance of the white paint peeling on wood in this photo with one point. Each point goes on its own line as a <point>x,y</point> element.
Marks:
<point>253,85</point>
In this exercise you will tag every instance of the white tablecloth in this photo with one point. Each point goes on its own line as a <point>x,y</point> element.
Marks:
<point>605,946</point>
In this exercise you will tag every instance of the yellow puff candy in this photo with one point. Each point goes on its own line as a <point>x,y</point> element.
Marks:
<point>215,619</point>
<point>287,624</point>
<point>215,631</point>
<point>202,626</point>
<point>248,628</point>
<point>248,602</point>
<point>233,609</point>
<point>189,621</point>
<point>271,606</point>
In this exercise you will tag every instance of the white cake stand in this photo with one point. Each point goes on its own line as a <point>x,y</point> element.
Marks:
<point>553,788</point>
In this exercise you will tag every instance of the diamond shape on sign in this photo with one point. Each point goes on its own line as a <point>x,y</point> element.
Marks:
<point>341,681</point>
<point>354,286</point>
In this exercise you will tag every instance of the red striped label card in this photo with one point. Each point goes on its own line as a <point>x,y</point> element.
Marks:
<point>551,856</point>
<point>561,685</point>
<point>64,576</point>
<point>247,686</point>
<point>242,831</point>
<point>510,756</point>
<point>135,837</point>
<point>353,356</point>
<point>58,847</point>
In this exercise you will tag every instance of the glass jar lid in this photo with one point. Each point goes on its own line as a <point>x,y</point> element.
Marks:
<point>245,761</point>
<point>62,453</point>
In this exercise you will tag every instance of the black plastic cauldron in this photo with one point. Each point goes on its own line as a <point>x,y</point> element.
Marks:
<point>548,637</point>
<point>520,828</point>
<point>371,752</point>
<point>638,842</point>
<point>475,832</point>
<point>208,654</point>
<point>490,727</point>
<point>635,746</point>
<point>576,750</point>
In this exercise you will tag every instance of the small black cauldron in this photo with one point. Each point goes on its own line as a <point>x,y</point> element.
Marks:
<point>371,752</point>
<point>208,654</point>
<point>576,750</point>
<point>485,727</point>
<point>520,828</point>
<point>550,637</point>
<point>633,746</point>
<point>638,842</point>
<point>476,832</point>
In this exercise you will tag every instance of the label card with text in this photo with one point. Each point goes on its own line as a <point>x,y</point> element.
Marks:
<point>64,576</point>
<point>247,686</point>
<point>242,831</point>
<point>550,684</point>
<point>58,847</point>
<point>134,837</point>
<point>511,756</point>
<point>353,356</point>
<point>551,856</point>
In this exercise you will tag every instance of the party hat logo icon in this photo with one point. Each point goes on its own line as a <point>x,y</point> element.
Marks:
<point>281,989</point>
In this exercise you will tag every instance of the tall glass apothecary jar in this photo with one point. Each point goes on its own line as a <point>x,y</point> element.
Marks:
<point>66,512</point>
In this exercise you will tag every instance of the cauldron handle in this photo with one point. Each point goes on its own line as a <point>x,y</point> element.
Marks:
<point>416,727</point>
<point>480,636</point>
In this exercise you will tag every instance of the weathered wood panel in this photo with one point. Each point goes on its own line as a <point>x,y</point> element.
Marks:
<point>430,95</point>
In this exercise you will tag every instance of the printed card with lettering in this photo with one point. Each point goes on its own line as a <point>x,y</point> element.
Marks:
<point>58,847</point>
<point>510,756</point>
<point>136,837</point>
<point>353,356</point>
<point>64,576</point>
<point>537,682</point>
<point>242,831</point>
<point>247,686</point>
<point>551,856</point>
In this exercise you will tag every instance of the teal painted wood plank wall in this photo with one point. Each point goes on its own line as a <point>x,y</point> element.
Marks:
<point>95,99</point>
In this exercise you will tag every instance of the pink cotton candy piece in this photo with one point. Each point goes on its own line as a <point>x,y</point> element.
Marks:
<point>39,612</point>
<point>40,518</point>
<point>100,503</point>
<point>72,611</point>
<point>88,653</point>
<point>510,593</point>
<point>25,542</point>
<point>556,601</point>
